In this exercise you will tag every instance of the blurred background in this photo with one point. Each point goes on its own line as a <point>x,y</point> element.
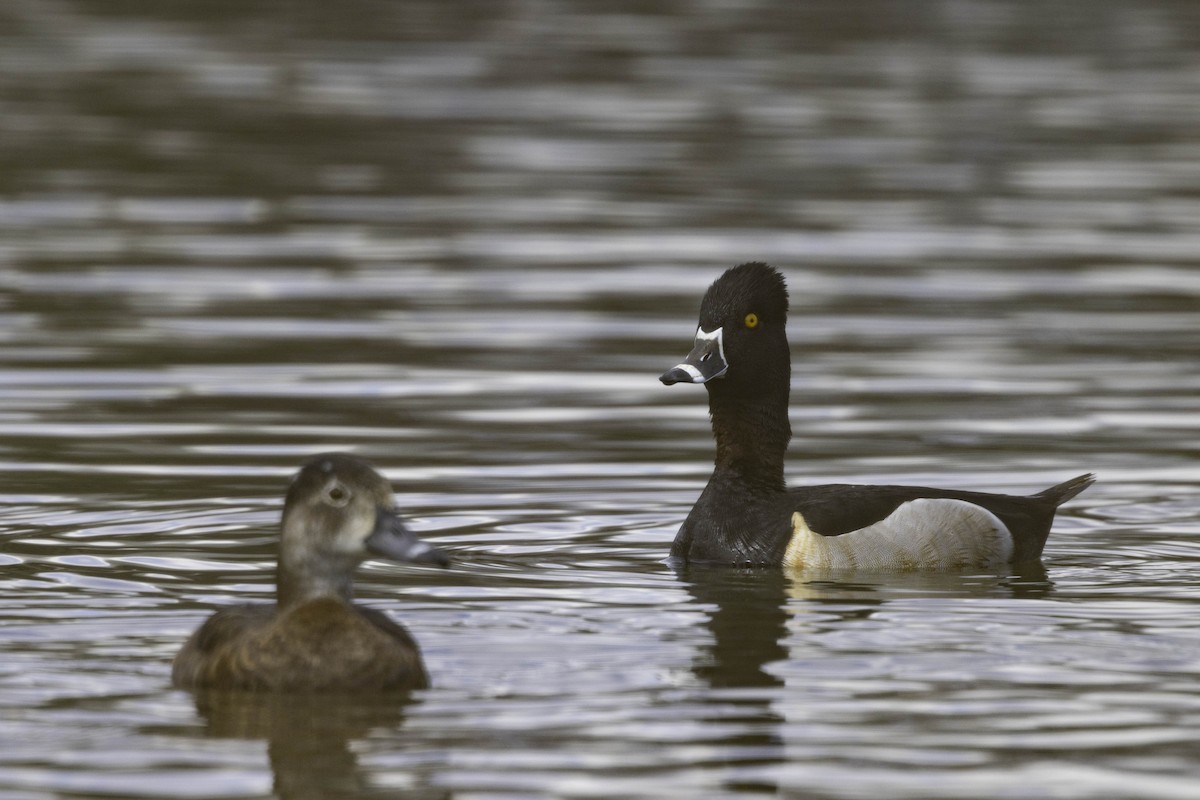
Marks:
<point>464,239</point>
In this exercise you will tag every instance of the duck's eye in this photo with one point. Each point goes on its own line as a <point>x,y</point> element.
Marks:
<point>337,495</point>
<point>751,320</point>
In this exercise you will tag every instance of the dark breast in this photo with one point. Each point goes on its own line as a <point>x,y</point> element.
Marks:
<point>730,526</point>
<point>322,645</point>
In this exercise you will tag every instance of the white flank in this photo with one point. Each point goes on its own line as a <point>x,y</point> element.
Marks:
<point>921,535</point>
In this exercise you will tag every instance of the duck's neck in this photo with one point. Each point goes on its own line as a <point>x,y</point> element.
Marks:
<point>299,580</point>
<point>752,434</point>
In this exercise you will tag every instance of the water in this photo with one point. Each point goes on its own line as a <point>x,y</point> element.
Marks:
<point>463,240</point>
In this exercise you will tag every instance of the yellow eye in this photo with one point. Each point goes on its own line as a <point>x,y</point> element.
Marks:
<point>752,320</point>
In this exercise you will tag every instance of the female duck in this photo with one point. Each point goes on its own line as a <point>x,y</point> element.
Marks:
<point>338,513</point>
<point>746,514</point>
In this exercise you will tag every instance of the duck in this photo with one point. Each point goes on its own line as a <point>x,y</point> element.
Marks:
<point>746,514</point>
<point>338,513</point>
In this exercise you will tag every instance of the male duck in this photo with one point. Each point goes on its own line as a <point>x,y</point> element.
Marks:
<point>338,512</point>
<point>747,515</point>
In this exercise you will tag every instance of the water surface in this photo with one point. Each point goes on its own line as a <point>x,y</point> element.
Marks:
<point>463,239</point>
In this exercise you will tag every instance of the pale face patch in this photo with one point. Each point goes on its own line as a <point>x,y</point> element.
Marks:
<point>925,535</point>
<point>356,524</point>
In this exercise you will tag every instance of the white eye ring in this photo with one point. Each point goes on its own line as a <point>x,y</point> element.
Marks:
<point>336,494</point>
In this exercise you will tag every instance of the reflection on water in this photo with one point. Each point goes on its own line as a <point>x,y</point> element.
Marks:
<point>308,738</point>
<point>747,622</point>
<point>462,240</point>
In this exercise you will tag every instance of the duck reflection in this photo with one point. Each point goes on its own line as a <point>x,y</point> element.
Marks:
<point>865,592</point>
<point>309,738</point>
<point>751,613</point>
<point>749,608</point>
<point>747,617</point>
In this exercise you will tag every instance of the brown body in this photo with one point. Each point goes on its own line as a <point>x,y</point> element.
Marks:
<point>338,512</point>
<point>322,645</point>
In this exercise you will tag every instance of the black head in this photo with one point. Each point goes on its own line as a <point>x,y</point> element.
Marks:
<point>753,288</point>
<point>742,338</point>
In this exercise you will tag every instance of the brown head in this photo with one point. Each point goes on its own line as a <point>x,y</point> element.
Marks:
<point>339,512</point>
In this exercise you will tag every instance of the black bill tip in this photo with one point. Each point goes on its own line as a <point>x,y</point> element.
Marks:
<point>675,375</point>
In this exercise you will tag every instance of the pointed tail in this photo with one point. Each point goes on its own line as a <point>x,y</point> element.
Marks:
<point>1067,489</point>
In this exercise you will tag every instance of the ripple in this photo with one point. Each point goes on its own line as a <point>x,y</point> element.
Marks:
<point>466,251</point>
